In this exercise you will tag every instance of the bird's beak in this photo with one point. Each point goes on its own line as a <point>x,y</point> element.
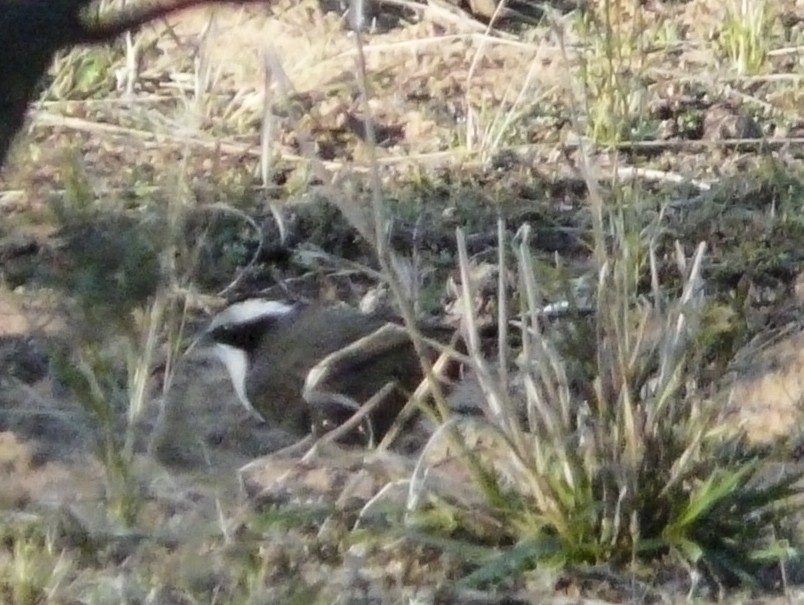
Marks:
<point>203,341</point>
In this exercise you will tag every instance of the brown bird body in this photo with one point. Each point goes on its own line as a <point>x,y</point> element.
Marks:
<point>277,347</point>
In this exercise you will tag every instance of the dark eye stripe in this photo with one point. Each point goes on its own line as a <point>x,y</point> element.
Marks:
<point>245,336</point>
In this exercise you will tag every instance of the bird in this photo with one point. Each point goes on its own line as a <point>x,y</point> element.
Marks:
<point>33,31</point>
<point>270,347</point>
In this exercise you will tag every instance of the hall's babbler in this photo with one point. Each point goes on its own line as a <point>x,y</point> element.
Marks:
<point>270,347</point>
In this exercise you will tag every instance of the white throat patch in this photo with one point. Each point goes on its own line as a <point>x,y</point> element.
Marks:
<point>236,361</point>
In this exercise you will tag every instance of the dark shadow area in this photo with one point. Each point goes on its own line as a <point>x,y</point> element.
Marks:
<point>33,31</point>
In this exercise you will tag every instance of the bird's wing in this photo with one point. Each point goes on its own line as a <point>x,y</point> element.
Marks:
<point>362,351</point>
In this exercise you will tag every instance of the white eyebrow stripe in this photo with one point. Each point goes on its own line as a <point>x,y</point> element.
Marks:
<point>248,310</point>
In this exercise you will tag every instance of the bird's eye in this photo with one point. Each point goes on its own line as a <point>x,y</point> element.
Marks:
<point>221,332</point>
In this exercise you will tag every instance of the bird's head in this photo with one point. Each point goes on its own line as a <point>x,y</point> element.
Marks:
<point>235,333</point>
<point>242,324</point>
